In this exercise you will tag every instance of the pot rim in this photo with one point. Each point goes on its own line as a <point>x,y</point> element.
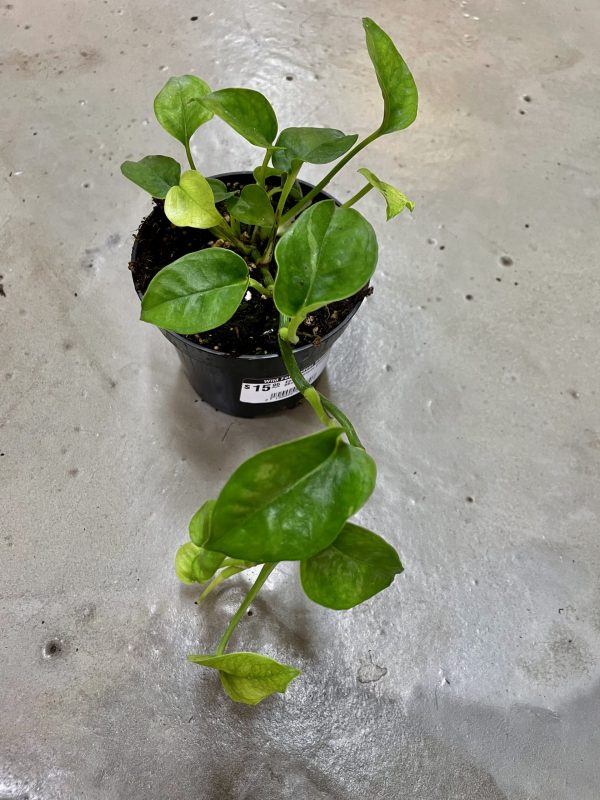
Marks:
<point>248,356</point>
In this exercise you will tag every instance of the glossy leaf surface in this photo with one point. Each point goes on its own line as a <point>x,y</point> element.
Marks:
<point>395,201</point>
<point>247,112</point>
<point>328,254</point>
<point>290,501</point>
<point>249,677</point>
<point>154,174</point>
<point>357,565</point>
<point>400,98</point>
<point>178,106</point>
<point>192,203</point>
<point>312,145</point>
<point>199,527</point>
<point>198,292</point>
<point>252,207</point>
<point>219,190</point>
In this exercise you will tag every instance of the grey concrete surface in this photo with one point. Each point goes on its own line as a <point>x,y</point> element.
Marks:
<point>476,676</point>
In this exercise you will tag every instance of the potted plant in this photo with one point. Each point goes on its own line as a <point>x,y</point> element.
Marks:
<point>268,240</point>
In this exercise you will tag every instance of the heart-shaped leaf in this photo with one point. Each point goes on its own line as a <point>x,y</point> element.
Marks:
<point>328,254</point>
<point>290,501</point>
<point>357,565</point>
<point>199,527</point>
<point>252,207</point>
<point>192,203</point>
<point>247,112</point>
<point>154,174</point>
<point>184,559</point>
<point>394,199</point>
<point>219,190</point>
<point>196,293</point>
<point>400,97</point>
<point>178,106</point>
<point>313,145</point>
<point>249,677</point>
<point>195,564</point>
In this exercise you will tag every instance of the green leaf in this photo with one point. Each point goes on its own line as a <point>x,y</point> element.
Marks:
<point>184,559</point>
<point>289,502</point>
<point>195,564</point>
<point>196,293</point>
<point>394,199</point>
<point>199,527</point>
<point>219,190</point>
<point>400,97</point>
<point>205,564</point>
<point>252,207</point>
<point>328,254</point>
<point>355,567</point>
<point>179,108</point>
<point>154,174</point>
<point>270,172</point>
<point>314,145</point>
<point>247,112</point>
<point>192,203</point>
<point>249,677</point>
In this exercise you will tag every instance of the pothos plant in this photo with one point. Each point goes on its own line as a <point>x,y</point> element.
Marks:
<point>294,501</point>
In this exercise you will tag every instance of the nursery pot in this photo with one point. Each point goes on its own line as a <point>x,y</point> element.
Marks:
<point>248,385</point>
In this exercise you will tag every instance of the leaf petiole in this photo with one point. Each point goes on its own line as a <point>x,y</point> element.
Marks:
<point>255,589</point>
<point>307,199</point>
<point>355,198</point>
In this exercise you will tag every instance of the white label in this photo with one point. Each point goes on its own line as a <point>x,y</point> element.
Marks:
<point>273,389</point>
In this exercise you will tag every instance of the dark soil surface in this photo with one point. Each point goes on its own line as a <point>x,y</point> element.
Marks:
<point>253,327</point>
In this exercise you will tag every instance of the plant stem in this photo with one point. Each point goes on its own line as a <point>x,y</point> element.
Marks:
<point>287,188</point>
<point>339,415</point>
<point>256,587</point>
<point>263,167</point>
<point>228,572</point>
<point>260,288</point>
<point>309,392</point>
<point>322,184</point>
<point>355,198</point>
<point>188,153</point>
<point>321,405</point>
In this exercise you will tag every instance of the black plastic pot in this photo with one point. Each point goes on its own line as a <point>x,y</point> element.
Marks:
<point>249,385</point>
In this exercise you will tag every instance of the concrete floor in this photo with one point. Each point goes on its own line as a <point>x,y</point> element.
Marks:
<point>477,675</point>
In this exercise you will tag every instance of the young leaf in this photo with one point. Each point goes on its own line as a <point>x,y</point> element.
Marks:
<point>355,567</point>
<point>205,564</point>
<point>394,199</point>
<point>313,145</point>
<point>219,190</point>
<point>290,501</point>
<point>196,293</point>
<point>192,203</point>
<point>154,174</point>
<point>195,564</point>
<point>179,108</point>
<point>184,558</point>
<point>270,172</point>
<point>328,254</point>
<point>247,112</point>
<point>400,98</point>
<point>252,207</point>
<point>199,528</point>
<point>249,677</point>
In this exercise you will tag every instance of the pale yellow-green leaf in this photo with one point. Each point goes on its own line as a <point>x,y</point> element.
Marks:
<point>192,203</point>
<point>395,200</point>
